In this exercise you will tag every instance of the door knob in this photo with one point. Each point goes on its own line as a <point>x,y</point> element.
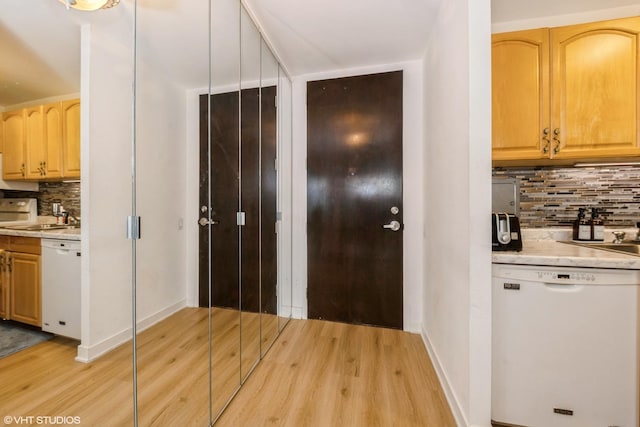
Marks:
<point>204,221</point>
<point>393,226</point>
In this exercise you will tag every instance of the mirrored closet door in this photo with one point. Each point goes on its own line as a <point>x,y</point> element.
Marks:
<point>214,116</point>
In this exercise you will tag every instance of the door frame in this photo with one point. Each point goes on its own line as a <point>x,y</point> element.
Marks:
<point>292,163</point>
<point>413,184</point>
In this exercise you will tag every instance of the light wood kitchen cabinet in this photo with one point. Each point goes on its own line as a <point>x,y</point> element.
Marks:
<point>4,288</point>
<point>13,137</point>
<point>567,93</point>
<point>34,141</point>
<point>42,142</point>
<point>20,269</point>
<point>71,138</point>
<point>520,93</point>
<point>24,288</point>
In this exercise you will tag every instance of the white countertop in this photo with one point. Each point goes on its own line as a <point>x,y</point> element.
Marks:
<point>61,234</point>
<point>538,248</point>
<point>64,234</point>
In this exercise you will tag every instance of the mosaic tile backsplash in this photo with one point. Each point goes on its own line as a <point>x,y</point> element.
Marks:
<point>550,197</point>
<point>67,193</point>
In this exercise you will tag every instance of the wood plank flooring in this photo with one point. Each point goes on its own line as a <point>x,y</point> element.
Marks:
<point>331,374</point>
<point>316,374</point>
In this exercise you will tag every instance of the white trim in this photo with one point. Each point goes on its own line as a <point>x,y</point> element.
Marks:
<point>452,399</point>
<point>90,353</point>
<point>85,184</point>
<point>298,313</point>
<point>47,100</point>
<point>412,177</point>
<point>568,19</point>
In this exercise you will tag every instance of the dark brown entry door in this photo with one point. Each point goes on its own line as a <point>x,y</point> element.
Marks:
<point>247,162</point>
<point>354,191</point>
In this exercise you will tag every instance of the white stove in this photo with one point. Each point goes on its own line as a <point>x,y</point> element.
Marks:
<point>18,211</point>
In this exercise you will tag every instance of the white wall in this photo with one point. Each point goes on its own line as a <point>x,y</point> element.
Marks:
<point>457,312</point>
<point>413,173</point>
<point>106,191</point>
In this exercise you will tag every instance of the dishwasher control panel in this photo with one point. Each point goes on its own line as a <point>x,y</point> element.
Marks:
<point>569,276</point>
<point>565,275</point>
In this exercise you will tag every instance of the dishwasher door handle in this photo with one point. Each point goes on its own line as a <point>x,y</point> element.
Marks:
<point>563,287</point>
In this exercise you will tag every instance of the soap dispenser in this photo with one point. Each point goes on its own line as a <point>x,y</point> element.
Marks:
<point>597,226</point>
<point>582,226</point>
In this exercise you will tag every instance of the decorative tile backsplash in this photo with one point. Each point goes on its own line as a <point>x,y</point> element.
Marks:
<point>550,197</point>
<point>67,193</point>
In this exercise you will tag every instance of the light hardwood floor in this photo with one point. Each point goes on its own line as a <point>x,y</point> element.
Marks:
<point>316,374</point>
<point>331,374</point>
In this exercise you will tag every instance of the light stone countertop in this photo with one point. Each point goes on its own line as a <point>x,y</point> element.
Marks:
<point>72,234</point>
<point>544,247</point>
<point>61,234</point>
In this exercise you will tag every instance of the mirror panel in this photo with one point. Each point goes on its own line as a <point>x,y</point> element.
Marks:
<point>250,259</point>
<point>173,351</point>
<point>222,179</point>
<point>269,193</point>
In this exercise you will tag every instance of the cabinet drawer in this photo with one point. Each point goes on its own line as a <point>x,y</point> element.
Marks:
<point>4,242</point>
<point>27,245</point>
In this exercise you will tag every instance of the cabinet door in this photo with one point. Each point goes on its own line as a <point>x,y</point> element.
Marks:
<point>13,131</point>
<point>71,138</point>
<point>520,94</point>
<point>4,288</point>
<point>595,89</point>
<point>25,290</point>
<point>34,142</point>
<point>52,114</point>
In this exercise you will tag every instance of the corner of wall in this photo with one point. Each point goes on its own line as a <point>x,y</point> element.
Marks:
<point>449,392</point>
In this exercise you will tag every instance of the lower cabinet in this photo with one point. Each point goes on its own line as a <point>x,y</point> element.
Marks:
<point>4,287</point>
<point>20,271</point>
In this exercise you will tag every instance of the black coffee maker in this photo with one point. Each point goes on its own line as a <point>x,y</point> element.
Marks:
<point>506,232</point>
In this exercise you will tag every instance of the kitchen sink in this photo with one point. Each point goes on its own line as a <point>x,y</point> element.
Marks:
<point>626,247</point>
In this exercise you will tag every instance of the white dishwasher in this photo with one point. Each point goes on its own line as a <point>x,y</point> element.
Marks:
<point>565,346</point>
<point>61,287</point>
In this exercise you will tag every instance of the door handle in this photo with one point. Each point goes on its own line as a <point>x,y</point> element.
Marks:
<point>393,225</point>
<point>204,221</point>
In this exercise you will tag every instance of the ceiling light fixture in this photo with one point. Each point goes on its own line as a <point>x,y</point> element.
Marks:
<point>90,5</point>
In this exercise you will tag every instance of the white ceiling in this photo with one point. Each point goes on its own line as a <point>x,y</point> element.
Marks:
<point>40,39</point>
<point>318,35</point>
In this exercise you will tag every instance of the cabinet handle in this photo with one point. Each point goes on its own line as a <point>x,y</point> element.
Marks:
<point>9,263</point>
<point>545,138</point>
<point>556,132</point>
<point>22,169</point>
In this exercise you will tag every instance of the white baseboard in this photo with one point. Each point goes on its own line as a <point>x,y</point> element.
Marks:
<point>452,399</point>
<point>297,313</point>
<point>90,353</point>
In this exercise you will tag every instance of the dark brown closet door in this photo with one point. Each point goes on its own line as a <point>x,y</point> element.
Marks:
<point>354,190</point>
<point>258,196</point>
<point>224,201</point>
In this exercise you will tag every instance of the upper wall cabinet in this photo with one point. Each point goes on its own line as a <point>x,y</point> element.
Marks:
<point>13,136</point>
<point>42,142</point>
<point>71,138</point>
<point>520,93</point>
<point>566,93</point>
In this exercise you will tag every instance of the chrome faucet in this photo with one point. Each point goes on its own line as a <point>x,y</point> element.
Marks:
<point>618,236</point>
<point>72,219</point>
